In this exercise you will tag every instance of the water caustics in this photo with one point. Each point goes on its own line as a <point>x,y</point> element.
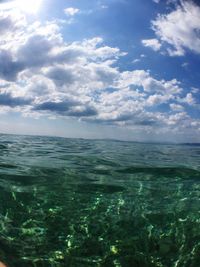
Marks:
<point>73,202</point>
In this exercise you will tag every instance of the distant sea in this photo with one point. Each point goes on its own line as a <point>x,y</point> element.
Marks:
<point>81,203</point>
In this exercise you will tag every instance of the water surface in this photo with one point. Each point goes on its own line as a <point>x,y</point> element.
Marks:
<point>74,202</point>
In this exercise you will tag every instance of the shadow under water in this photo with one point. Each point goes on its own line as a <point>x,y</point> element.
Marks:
<point>68,202</point>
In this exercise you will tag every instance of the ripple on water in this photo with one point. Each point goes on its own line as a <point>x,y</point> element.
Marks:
<point>68,202</point>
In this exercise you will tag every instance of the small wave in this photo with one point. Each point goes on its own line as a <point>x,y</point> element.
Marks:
<point>169,172</point>
<point>99,188</point>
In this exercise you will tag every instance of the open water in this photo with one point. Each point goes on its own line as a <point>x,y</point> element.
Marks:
<point>81,203</point>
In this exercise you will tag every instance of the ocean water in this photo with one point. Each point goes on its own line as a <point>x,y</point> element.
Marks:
<point>74,202</point>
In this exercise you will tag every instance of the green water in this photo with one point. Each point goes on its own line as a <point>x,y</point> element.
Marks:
<point>68,202</point>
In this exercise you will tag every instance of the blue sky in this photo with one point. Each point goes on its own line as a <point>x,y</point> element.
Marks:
<point>124,69</point>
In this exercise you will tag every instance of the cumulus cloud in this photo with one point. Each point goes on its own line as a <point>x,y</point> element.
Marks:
<point>152,43</point>
<point>189,99</point>
<point>158,99</point>
<point>8,66</point>
<point>141,78</point>
<point>176,107</point>
<point>71,11</point>
<point>6,99</point>
<point>41,74</point>
<point>66,108</point>
<point>178,30</point>
<point>6,24</point>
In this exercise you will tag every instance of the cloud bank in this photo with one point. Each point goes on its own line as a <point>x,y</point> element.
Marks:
<point>43,75</point>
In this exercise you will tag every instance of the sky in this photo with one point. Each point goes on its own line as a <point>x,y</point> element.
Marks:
<point>120,69</point>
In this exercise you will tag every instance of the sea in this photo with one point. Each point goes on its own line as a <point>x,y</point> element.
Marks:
<point>99,203</point>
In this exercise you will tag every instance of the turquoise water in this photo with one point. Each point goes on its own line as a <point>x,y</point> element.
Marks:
<point>73,202</point>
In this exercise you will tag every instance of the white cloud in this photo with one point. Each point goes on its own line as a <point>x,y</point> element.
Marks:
<point>188,99</point>
<point>195,90</point>
<point>152,43</point>
<point>178,118</point>
<point>136,60</point>
<point>185,65</point>
<point>176,107</point>
<point>158,99</point>
<point>142,56</point>
<point>179,29</point>
<point>141,78</point>
<point>71,11</point>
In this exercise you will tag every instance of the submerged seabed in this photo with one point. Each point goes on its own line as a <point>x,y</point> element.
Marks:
<point>68,202</point>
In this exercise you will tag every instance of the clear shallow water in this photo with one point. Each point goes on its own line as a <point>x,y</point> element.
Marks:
<point>68,202</point>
